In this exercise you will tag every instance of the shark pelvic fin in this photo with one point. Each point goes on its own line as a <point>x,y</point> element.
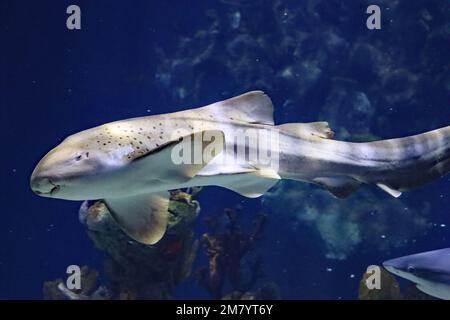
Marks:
<point>340,187</point>
<point>308,130</point>
<point>253,184</point>
<point>392,192</point>
<point>142,217</point>
<point>250,107</point>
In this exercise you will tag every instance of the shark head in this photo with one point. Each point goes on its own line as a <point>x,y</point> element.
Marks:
<point>430,271</point>
<point>130,165</point>
<point>120,159</point>
<point>82,166</point>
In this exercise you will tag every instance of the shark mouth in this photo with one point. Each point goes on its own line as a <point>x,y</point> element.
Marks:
<point>55,188</point>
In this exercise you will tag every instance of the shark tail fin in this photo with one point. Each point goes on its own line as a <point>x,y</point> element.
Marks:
<point>414,161</point>
<point>402,164</point>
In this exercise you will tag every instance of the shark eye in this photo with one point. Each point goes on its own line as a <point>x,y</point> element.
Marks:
<point>78,158</point>
<point>411,269</point>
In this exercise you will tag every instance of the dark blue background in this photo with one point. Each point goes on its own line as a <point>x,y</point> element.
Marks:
<point>54,82</point>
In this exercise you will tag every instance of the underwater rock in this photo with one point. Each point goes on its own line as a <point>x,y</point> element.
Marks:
<point>389,288</point>
<point>57,290</point>
<point>51,290</point>
<point>135,270</point>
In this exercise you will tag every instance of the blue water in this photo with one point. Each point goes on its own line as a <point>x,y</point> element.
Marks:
<point>317,61</point>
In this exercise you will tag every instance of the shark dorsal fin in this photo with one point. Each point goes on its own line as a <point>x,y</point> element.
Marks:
<point>250,107</point>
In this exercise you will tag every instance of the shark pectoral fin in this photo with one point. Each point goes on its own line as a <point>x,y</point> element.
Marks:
<point>392,192</point>
<point>340,187</point>
<point>181,159</point>
<point>310,130</point>
<point>142,217</point>
<point>253,184</point>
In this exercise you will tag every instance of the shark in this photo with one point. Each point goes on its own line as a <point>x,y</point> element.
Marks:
<point>430,271</point>
<point>131,164</point>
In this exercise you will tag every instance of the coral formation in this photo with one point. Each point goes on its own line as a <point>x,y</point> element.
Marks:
<point>232,263</point>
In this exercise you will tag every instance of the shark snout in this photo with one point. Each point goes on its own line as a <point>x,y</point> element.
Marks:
<point>390,268</point>
<point>43,185</point>
<point>398,267</point>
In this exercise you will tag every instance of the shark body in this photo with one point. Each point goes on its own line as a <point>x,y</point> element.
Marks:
<point>130,163</point>
<point>430,271</point>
